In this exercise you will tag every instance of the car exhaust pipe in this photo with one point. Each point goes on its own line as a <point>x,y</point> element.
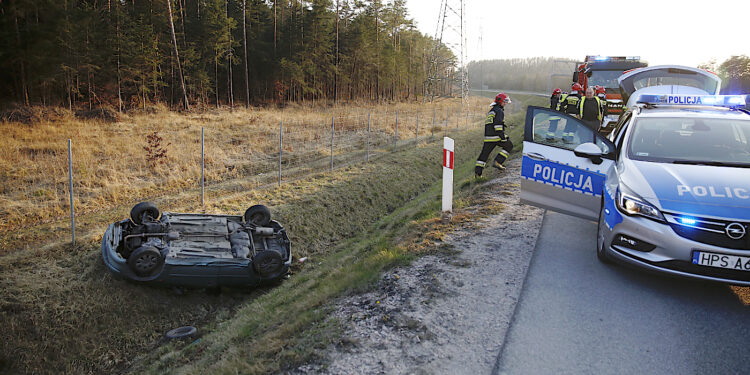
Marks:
<point>264,231</point>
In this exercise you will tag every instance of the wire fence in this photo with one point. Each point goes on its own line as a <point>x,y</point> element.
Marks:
<point>266,157</point>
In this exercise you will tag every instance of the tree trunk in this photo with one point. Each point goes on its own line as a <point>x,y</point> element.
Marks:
<point>119,80</point>
<point>274,28</point>
<point>24,89</point>
<point>336,75</point>
<point>216,76</point>
<point>177,56</point>
<point>244,45</point>
<point>230,79</point>
<point>181,3</point>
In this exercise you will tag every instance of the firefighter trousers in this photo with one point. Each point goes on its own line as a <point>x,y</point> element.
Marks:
<point>506,147</point>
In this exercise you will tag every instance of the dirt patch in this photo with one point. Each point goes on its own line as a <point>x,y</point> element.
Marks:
<point>448,312</point>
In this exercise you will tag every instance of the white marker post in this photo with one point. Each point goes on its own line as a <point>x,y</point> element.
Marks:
<point>447,177</point>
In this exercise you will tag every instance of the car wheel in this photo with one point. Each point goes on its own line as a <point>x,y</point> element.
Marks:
<point>268,264</point>
<point>181,332</point>
<point>145,260</point>
<point>144,212</point>
<point>258,215</point>
<point>600,252</point>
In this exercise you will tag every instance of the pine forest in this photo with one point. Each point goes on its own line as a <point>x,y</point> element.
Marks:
<point>184,53</point>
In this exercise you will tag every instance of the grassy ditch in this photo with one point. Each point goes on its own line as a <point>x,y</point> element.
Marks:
<point>290,324</point>
<point>62,312</point>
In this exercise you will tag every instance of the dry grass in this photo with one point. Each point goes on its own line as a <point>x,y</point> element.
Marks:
<point>110,166</point>
<point>62,311</point>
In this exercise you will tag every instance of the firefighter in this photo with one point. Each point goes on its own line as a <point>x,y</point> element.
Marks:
<point>554,100</point>
<point>590,110</point>
<point>494,136</point>
<point>569,104</point>
<point>601,93</point>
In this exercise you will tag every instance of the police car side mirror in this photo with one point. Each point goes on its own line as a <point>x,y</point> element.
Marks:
<point>589,150</point>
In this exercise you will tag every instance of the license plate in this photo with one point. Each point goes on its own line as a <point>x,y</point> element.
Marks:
<point>731,262</point>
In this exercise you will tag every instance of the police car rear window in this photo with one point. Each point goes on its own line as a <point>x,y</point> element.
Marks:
<point>690,139</point>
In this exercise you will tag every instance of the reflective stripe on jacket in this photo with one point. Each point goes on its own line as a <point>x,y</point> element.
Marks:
<point>569,103</point>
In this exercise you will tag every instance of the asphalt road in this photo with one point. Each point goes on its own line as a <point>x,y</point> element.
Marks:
<point>579,316</point>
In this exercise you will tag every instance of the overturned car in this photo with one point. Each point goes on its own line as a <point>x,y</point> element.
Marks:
<point>197,250</point>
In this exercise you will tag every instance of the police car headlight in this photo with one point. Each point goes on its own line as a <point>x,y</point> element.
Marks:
<point>631,204</point>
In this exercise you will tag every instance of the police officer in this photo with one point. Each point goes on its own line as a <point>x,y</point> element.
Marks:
<point>494,136</point>
<point>569,104</point>
<point>590,110</point>
<point>554,101</point>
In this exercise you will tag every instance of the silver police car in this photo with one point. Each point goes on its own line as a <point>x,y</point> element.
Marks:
<point>670,186</point>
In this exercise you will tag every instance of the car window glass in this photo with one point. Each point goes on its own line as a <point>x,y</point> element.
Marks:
<point>690,139</point>
<point>555,129</point>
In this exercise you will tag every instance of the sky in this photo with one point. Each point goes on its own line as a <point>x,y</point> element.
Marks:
<point>659,31</point>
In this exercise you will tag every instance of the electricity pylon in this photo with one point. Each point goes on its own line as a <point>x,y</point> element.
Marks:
<point>448,58</point>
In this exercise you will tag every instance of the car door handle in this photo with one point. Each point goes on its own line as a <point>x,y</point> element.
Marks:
<point>536,156</point>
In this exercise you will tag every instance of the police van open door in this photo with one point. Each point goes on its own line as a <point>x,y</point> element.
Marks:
<point>564,163</point>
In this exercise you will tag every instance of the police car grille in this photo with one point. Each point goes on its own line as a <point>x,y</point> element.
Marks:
<point>708,231</point>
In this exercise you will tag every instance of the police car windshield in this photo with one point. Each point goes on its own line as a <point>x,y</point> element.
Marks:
<point>691,141</point>
<point>605,78</point>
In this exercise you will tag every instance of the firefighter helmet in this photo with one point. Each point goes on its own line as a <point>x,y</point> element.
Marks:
<point>577,87</point>
<point>600,90</point>
<point>556,92</point>
<point>502,98</point>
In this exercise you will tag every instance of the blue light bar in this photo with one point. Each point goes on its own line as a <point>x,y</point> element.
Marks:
<point>601,58</point>
<point>705,100</point>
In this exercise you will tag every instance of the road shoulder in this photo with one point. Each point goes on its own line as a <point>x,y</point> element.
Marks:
<point>446,312</point>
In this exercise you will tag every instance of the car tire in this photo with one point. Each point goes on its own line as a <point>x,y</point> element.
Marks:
<point>601,254</point>
<point>144,210</point>
<point>258,215</point>
<point>181,332</point>
<point>268,264</point>
<point>145,260</point>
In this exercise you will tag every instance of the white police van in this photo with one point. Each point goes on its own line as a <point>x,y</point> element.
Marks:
<point>670,186</point>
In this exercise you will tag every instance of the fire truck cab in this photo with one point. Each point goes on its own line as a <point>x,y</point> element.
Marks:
<point>604,71</point>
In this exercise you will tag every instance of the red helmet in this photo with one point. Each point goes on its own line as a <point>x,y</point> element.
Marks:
<point>502,98</point>
<point>577,87</point>
<point>600,90</point>
<point>556,92</point>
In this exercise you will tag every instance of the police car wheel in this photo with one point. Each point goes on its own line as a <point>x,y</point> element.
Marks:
<point>600,252</point>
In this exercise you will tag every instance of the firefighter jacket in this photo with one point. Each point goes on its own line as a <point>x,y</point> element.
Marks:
<point>554,100</point>
<point>494,125</point>
<point>590,109</point>
<point>569,103</point>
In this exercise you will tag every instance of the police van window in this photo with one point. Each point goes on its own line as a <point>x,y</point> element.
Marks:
<point>691,140</point>
<point>555,129</point>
